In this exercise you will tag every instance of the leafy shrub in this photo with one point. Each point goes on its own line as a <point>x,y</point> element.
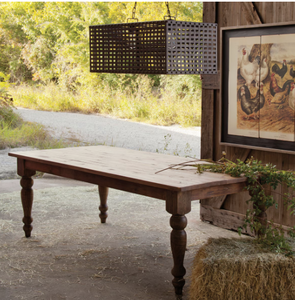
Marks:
<point>6,103</point>
<point>5,98</point>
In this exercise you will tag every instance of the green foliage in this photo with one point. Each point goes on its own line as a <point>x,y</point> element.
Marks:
<point>12,40</point>
<point>14,131</point>
<point>4,83</point>
<point>5,101</point>
<point>49,41</point>
<point>8,119</point>
<point>137,101</point>
<point>260,180</point>
<point>27,134</point>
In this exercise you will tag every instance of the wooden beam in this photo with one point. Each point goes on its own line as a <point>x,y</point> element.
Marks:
<point>209,16</point>
<point>209,12</point>
<point>228,219</point>
<point>211,82</point>
<point>223,218</point>
<point>235,153</point>
<point>250,13</point>
<point>207,147</point>
<point>207,137</point>
<point>214,202</point>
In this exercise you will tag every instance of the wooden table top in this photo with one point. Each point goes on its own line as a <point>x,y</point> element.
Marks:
<point>129,165</point>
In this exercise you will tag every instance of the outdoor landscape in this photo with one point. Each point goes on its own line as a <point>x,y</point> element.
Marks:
<point>44,63</point>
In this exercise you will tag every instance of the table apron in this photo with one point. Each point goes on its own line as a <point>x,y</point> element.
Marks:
<point>123,185</point>
<point>218,190</point>
<point>176,201</point>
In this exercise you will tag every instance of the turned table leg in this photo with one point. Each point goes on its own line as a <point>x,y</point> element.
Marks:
<point>178,246</point>
<point>103,195</point>
<point>26,183</point>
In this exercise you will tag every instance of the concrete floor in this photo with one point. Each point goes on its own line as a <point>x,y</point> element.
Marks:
<point>71,255</point>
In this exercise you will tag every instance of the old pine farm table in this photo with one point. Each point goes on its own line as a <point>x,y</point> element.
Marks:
<point>131,171</point>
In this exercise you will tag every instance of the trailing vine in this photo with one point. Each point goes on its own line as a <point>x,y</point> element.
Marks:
<point>261,179</point>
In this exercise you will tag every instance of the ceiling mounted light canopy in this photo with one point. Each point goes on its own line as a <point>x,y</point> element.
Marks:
<point>157,47</point>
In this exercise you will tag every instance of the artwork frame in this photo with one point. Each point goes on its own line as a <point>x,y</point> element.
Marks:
<point>257,128</point>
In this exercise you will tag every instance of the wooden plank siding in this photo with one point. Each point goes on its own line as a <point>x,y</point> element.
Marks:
<point>228,14</point>
<point>209,16</point>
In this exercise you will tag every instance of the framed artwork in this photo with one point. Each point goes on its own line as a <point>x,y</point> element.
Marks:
<point>258,91</point>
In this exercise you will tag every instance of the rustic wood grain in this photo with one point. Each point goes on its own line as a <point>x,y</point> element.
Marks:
<point>250,13</point>
<point>266,11</point>
<point>228,219</point>
<point>211,82</point>
<point>209,12</point>
<point>133,171</point>
<point>207,128</point>
<point>207,149</point>
<point>234,153</point>
<point>237,14</point>
<point>250,16</point>
<point>223,218</point>
<point>286,217</point>
<point>124,164</point>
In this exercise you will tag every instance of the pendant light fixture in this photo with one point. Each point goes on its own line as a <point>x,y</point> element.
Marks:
<point>157,47</point>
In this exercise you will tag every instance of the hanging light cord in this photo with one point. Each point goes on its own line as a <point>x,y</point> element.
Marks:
<point>168,10</point>
<point>133,13</point>
<point>168,13</point>
<point>168,16</point>
<point>134,10</point>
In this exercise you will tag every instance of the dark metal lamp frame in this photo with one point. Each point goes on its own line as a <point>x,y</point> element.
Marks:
<point>158,47</point>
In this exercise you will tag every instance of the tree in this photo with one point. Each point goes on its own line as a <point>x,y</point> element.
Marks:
<point>49,41</point>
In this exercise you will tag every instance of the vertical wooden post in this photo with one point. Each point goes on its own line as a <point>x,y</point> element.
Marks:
<point>207,129</point>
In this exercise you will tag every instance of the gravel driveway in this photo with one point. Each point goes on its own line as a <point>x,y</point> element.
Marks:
<point>100,129</point>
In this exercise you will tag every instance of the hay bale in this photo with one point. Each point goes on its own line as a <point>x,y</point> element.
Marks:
<point>238,269</point>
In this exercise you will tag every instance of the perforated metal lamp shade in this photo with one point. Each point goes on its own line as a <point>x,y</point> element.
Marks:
<point>158,47</point>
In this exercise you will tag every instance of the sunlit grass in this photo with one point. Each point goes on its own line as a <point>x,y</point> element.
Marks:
<point>14,132</point>
<point>165,106</point>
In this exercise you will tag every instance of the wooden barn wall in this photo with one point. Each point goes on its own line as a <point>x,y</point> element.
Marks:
<point>228,14</point>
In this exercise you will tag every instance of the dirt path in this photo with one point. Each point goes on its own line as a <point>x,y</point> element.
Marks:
<point>119,133</point>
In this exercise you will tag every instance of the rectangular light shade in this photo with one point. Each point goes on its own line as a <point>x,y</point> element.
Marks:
<point>158,47</point>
